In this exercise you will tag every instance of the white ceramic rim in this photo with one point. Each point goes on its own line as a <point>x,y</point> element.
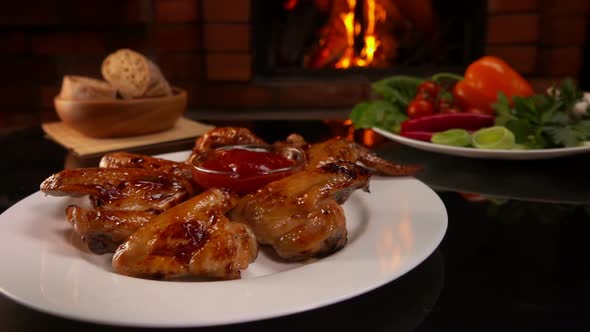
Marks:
<point>481,153</point>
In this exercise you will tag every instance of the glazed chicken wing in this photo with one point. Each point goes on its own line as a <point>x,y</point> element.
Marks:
<point>223,136</point>
<point>133,160</point>
<point>190,239</point>
<point>131,189</point>
<point>103,230</point>
<point>336,149</point>
<point>300,216</point>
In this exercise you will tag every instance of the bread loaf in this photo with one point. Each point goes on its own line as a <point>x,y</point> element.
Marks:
<point>159,86</point>
<point>134,75</point>
<point>80,87</point>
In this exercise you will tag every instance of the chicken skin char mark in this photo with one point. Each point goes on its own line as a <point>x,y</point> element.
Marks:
<point>102,230</point>
<point>337,149</point>
<point>193,238</point>
<point>131,189</point>
<point>300,216</point>
<point>133,160</point>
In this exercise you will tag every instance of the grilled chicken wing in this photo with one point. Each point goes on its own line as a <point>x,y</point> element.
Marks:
<point>191,239</point>
<point>131,189</point>
<point>103,230</point>
<point>223,136</point>
<point>300,216</point>
<point>336,149</point>
<point>132,160</point>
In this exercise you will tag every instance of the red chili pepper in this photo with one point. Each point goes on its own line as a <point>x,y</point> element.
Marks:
<point>484,79</point>
<point>441,122</point>
<point>419,135</point>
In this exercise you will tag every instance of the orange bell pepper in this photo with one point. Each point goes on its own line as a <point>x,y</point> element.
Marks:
<point>484,79</point>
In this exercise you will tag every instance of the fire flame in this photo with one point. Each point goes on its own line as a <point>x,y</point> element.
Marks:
<point>337,46</point>
<point>359,33</point>
<point>347,19</point>
<point>371,42</point>
<point>370,39</point>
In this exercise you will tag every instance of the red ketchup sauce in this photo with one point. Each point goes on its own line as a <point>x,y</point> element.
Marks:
<point>242,170</point>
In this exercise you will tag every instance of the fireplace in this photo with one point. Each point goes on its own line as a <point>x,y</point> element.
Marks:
<point>371,38</point>
<point>281,73</point>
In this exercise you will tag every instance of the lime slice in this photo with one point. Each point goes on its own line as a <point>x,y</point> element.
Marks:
<point>497,138</point>
<point>454,137</point>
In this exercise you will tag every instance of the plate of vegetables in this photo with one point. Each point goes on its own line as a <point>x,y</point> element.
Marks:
<point>490,112</point>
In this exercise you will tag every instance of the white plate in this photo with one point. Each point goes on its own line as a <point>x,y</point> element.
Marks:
<point>44,265</point>
<point>484,154</point>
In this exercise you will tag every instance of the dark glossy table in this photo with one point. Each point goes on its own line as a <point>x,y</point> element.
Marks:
<point>516,255</point>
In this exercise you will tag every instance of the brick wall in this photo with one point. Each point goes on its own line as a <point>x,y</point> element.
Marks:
<point>41,41</point>
<point>548,46</point>
<point>205,46</point>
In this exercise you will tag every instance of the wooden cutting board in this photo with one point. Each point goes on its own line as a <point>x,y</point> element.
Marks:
<point>85,146</point>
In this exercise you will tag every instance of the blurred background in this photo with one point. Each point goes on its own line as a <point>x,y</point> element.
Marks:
<point>280,59</point>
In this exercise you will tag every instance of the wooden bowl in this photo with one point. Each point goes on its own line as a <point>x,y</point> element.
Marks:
<point>122,117</point>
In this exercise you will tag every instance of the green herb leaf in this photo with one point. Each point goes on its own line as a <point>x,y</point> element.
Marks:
<point>569,93</point>
<point>559,118</point>
<point>565,136</point>
<point>525,133</point>
<point>547,106</point>
<point>377,113</point>
<point>383,90</point>
<point>360,117</point>
<point>392,119</point>
<point>398,90</point>
<point>503,110</point>
<point>544,120</point>
<point>583,126</point>
<point>525,109</point>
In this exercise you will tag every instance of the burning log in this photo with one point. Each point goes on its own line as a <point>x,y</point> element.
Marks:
<point>368,33</point>
<point>333,39</point>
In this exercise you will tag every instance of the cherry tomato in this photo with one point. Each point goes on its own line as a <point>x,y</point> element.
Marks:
<point>419,108</point>
<point>429,87</point>
<point>421,95</point>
